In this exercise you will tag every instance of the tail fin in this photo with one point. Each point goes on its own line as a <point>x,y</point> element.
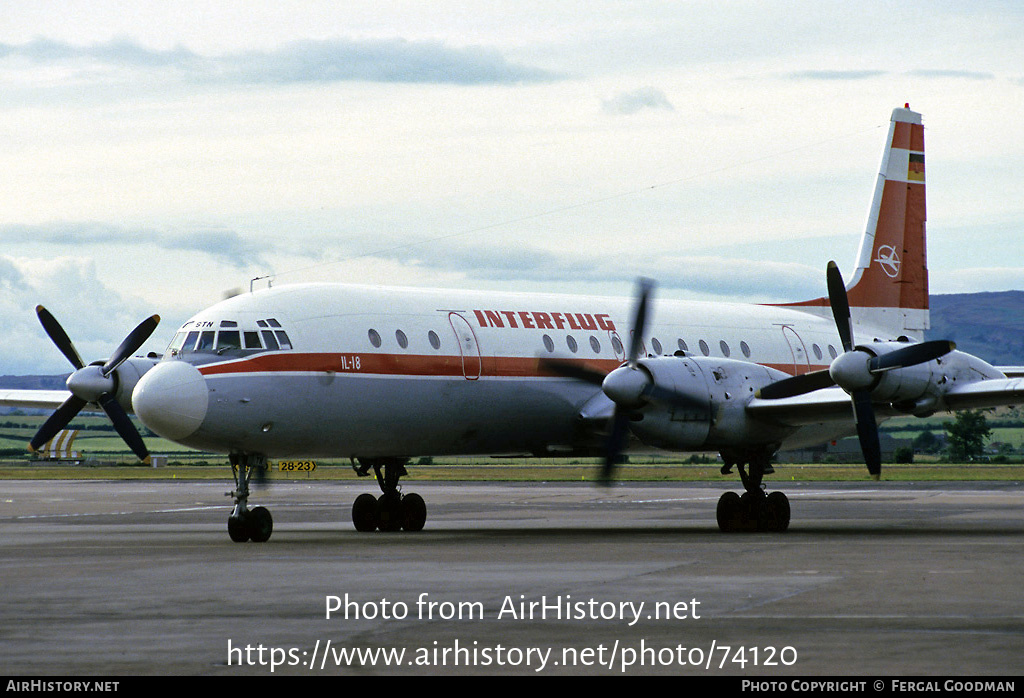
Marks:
<point>889,287</point>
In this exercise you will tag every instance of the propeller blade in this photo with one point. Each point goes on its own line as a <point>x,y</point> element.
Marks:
<point>639,320</point>
<point>867,432</point>
<point>570,368</point>
<point>59,337</point>
<point>135,339</point>
<point>614,446</point>
<point>123,425</point>
<point>840,305</point>
<point>911,355</point>
<point>797,385</point>
<point>57,421</point>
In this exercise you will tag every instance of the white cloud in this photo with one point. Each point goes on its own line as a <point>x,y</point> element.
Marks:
<point>632,101</point>
<point>95,317</point>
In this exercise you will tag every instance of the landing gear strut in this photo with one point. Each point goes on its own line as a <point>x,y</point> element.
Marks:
<point>247,524</point>
<point>754,510</point>
<point>392,511</point>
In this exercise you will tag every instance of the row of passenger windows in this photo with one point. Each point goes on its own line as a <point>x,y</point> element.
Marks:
<point>595,345</point>
<point>658,348</point>
<point>403,339</point>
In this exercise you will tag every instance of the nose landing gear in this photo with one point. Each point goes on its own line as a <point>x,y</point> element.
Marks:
<point>247,524</point>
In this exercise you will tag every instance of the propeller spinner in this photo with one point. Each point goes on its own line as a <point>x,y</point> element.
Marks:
<point>95,383</point>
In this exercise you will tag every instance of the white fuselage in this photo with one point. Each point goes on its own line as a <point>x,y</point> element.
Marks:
<point>375,372</point>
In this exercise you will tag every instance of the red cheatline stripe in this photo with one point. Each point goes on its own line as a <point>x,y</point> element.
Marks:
<point>400,365</point>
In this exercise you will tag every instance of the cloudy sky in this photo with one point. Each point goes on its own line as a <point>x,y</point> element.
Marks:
<point>157,155</point>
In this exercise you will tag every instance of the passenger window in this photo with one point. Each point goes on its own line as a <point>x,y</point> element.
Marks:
<point>270,340</point>
<point>435,341</point>
<point>595,345</point>
<point>570,342</point>
<point>402,340</point>
<point>725,348</point>
<point>282,339</point>
<point>656,345</point>
<point>745,349</point>
<point>549,343</point>
<point>374,338</point>
<point>617,346</point>
<point>682,345</point>
<point>252,340</point>
<point>817,351</point>
<point>205,341</point>
<point>228,339</point>
<point>704,348</point>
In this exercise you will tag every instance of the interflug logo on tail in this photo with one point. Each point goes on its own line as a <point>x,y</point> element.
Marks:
<point>889,260</point>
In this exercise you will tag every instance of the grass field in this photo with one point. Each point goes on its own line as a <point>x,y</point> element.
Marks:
<point>106,457</point>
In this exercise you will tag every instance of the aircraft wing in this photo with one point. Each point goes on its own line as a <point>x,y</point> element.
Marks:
<point>1011,371</point>
<point>818,407</point>
<point>831,404</point>
<point>45,399</point>
<point>987,393</point>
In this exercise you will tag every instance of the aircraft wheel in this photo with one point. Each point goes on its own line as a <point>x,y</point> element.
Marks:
<point>238,529</point>
<point>260,524</point>
<point>364,513</point>
<point>414,512</point>
<point>389,512</point>
<point>729,512</point>
<point>776,512</point>
<point>751,510</point>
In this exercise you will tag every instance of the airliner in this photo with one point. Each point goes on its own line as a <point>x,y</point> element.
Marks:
<point>383,375</point>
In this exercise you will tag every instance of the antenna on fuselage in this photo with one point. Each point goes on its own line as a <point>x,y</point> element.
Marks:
<point>269,277</point>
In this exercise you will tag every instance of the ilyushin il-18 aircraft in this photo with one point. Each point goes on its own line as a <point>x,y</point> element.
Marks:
<point>382,375</point>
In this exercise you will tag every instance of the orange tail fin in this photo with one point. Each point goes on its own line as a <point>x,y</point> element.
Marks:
<point>889,287</point>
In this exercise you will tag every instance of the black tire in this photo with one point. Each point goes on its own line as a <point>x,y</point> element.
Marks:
<point>364,513</point>
<point>729,512</point>
<point>389,512</point>
<point>238,529</point>
<point>777,512</point>
<point>261,524</point>
<point>414,512</point>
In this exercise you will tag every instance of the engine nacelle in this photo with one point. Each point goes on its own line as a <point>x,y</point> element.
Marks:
<point>712,415</point>
<point>899,384</point>
<point>128,375</point>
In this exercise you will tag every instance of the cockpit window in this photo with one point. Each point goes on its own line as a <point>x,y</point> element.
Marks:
<point>270,340</point>
<point>228,339</point>
<point>230,342</point>
<point>206,341</point>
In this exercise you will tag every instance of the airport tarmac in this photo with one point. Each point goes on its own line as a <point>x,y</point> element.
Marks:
<point>872,579</point>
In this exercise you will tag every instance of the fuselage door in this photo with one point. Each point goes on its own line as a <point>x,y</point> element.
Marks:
<point>465,337</point>
<point>801,361</point>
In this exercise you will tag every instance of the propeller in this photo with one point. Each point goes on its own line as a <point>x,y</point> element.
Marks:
<point>856,371</point>
<point>95,383</point>
<point>629,386</point>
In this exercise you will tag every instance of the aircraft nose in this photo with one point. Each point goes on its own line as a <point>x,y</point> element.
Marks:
<point>172,399</point>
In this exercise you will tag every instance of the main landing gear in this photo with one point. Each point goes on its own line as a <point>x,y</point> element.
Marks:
<point>392,511</point>
<point>246,524</point>
<point>754,510</point>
